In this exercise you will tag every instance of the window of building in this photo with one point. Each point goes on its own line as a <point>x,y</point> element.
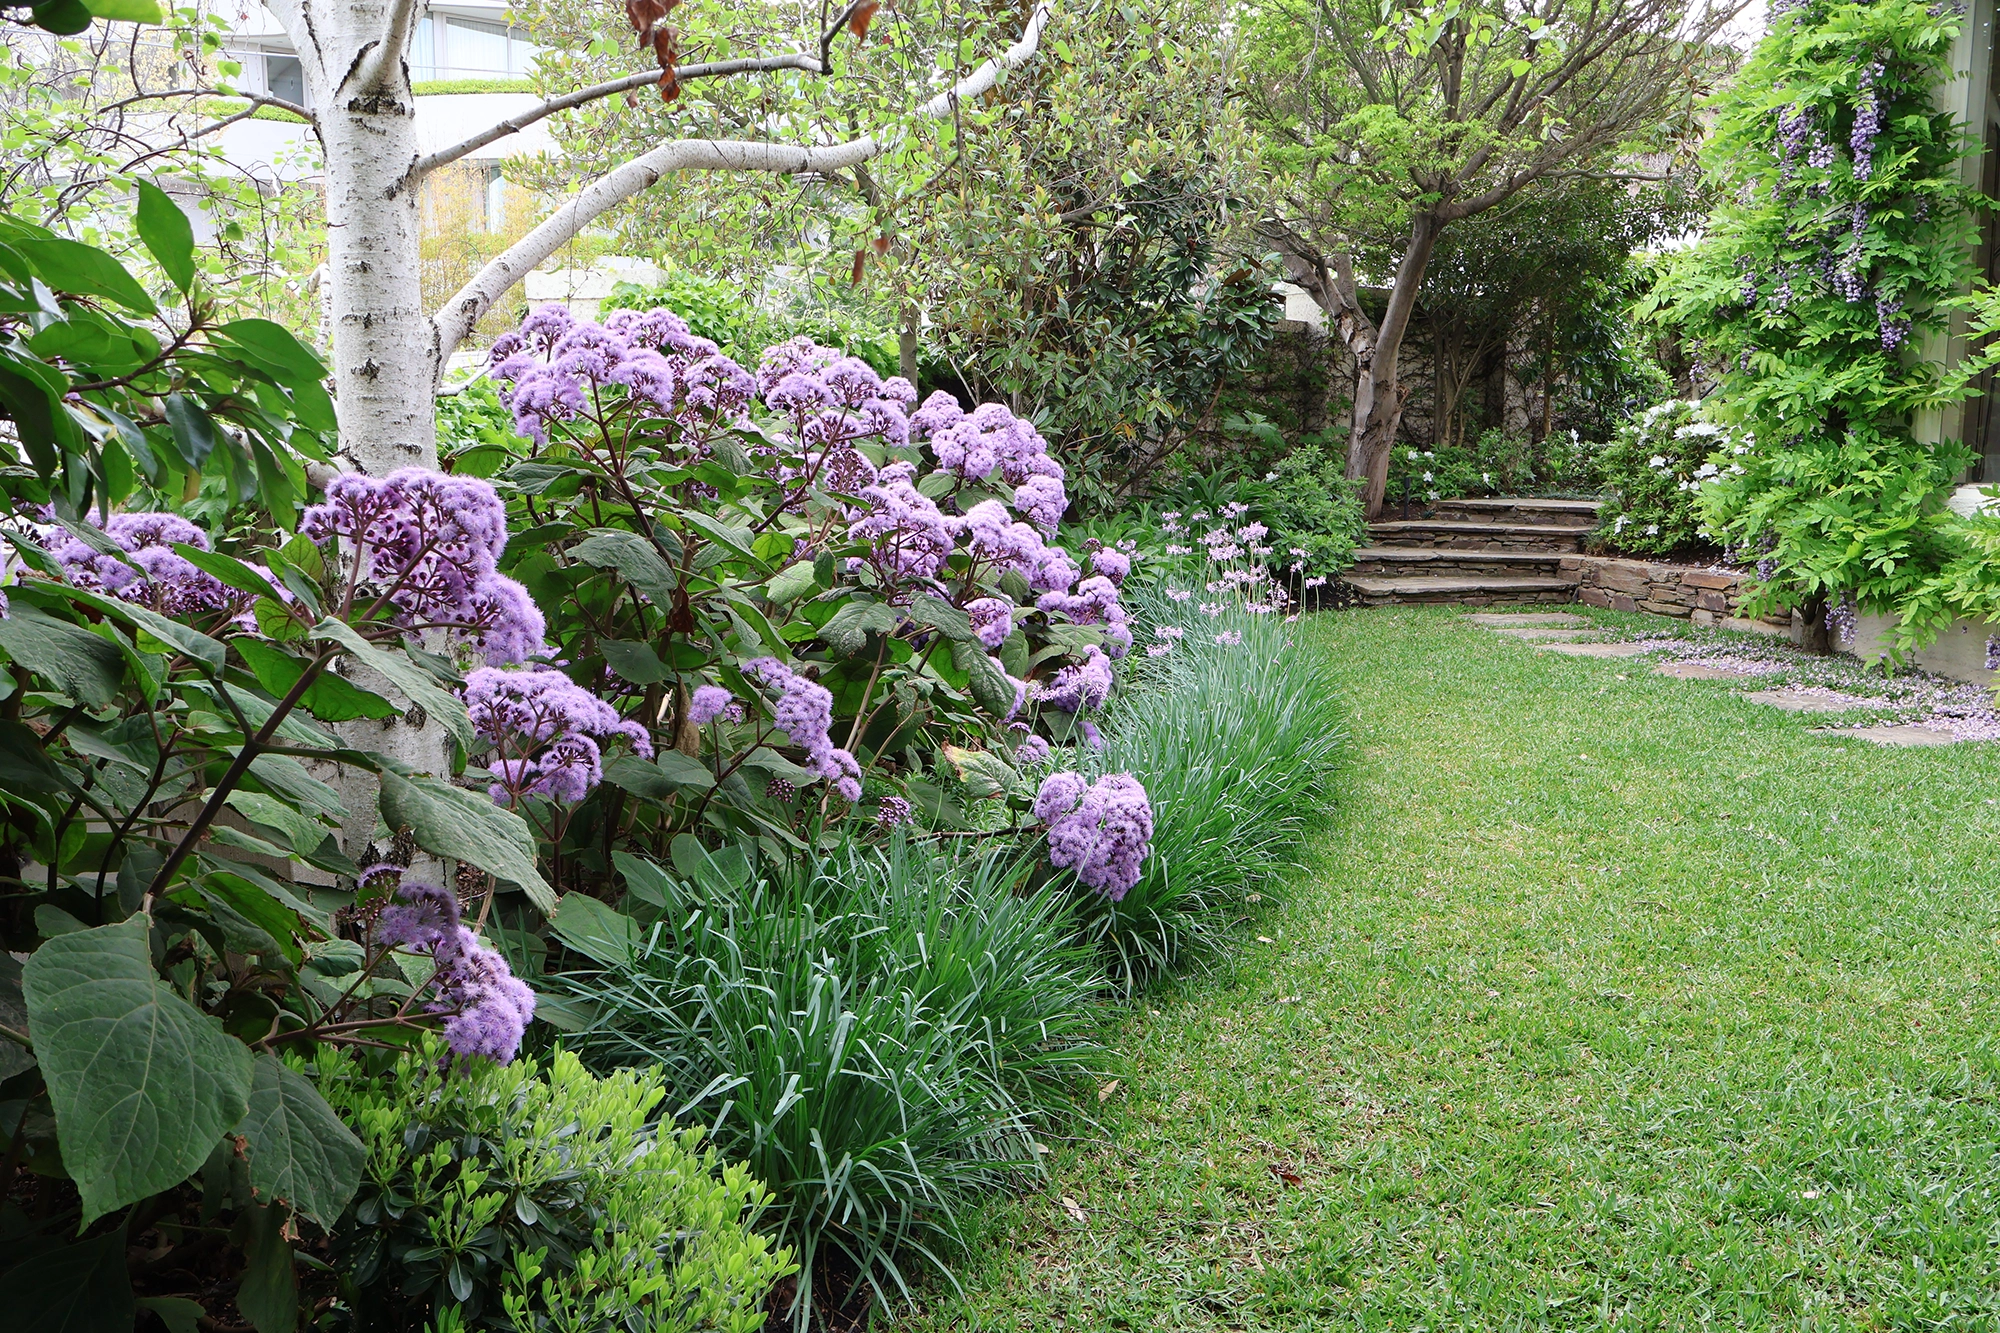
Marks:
<point>496,199</point>
<point>449,47</point>
<point>283,77</point>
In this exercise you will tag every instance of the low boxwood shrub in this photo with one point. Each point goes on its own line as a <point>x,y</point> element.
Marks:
<point>526,1196</point>
<point>877,1033</point>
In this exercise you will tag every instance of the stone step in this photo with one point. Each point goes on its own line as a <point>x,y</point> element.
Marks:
<point>1519,509</point>
<point>1469,536</point>
<point>1468,590</point>
<point>1396,560</point>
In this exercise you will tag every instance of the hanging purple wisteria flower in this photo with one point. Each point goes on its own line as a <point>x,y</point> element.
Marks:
<point>1102,830</point>
<point>1867,119</point>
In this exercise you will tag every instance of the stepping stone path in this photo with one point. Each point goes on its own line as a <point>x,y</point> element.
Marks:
<point>1477,552</point>
<point>1597,649</point>
<point>1539,634</point>
<point>1702,671</point>
<point>1803,701</point>
<point>1508,619</point>
<point>1905,734</point>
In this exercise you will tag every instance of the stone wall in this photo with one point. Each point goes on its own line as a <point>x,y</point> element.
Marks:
<point>1705,596</point>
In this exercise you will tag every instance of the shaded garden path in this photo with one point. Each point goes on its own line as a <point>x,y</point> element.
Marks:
<point>1606,1002</point>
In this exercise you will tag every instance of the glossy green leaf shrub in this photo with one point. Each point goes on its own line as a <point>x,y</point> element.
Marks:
<point>525,1196</point>
<point>1656,470</point>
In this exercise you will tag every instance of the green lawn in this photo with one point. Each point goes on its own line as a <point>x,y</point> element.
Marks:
<point>1605,1003</point>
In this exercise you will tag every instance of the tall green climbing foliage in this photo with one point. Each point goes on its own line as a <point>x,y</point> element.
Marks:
<point>1820,296</point>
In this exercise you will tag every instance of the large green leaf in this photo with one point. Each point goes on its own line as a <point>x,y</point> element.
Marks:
<point>13,1013</point>
<point>72,266</point>
<point>634,557</point>
<point>80,664</point>
<point>992,688</point>
<point>273,345</point>
<point>130,11</point>
<point>300,1152</point>
<point>143,1083</point>
<point>24,761</point>
<point>596,931</point>
<point>847,633</point>
<point>792,583</point>
<point>80,1288</point>
<point>636,662</point>
<point>466,826</point>
<point>162,226</point>
<point>396,667</point>
<point>940,615</point>
<point>193,428</point>
<point>329,698</point>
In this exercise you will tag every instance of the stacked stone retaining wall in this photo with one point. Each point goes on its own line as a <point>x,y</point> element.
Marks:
<point>1705,596</point>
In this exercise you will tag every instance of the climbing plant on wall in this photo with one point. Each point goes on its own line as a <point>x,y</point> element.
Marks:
<point>1818,298</point>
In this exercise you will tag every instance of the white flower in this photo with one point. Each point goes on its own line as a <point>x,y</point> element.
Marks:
<point>1414,455</point>
<point>1618,524</point>
<point>1652,529</point>
<point>1432,496</point>
<point>1429,454</point>
<point>1657,460</point>
<point>1707,470</point>
<point>1270,476</point>
<point>1427,476</point>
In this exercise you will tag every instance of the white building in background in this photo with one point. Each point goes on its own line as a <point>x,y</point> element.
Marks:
<point>455,45</point>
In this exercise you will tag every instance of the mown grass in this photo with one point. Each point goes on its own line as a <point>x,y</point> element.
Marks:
<point>1609,1004</point>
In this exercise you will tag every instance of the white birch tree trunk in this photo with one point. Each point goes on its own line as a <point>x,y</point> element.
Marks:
<point>385,357</point>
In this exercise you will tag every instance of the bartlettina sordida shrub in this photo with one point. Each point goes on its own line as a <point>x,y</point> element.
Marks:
<point>800,581</point>
<point>1841,248</point>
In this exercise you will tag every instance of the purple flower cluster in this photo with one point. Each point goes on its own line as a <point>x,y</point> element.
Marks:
<point>546,732</point>
<point>1095,602</point>
<point>152,574</point>
<point>892,812</point>
<point>909,539</point>
<point>488,1007</point>
<point>1102,830</point>
<point>804,712</point>
<point>992,620</point>
<point>1031,751</point>
<point>1081,687</point>
<point>991,439</point>
<point>709,703</point>
<point>1889,320</point>
<point>558,369</point>
<point>426,549</point>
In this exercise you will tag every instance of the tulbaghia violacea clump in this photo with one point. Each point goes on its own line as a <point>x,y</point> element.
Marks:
<point>486,1007</point>
<point>426,549</point>
<point>546,733</point>
<point>1102,830</point>
<point>804,712</point>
